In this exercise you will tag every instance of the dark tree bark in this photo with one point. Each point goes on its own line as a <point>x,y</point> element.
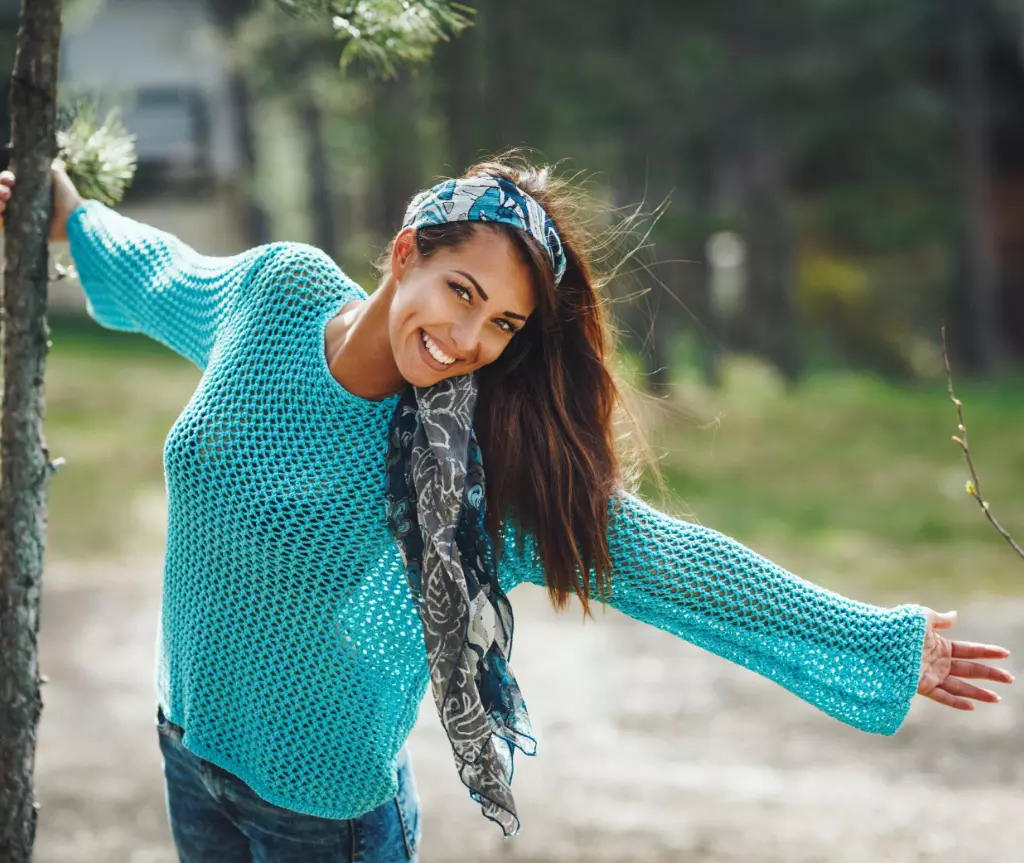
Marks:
<point>25,467</point>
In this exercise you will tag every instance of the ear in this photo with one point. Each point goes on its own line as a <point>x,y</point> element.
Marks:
<point>403,252</point>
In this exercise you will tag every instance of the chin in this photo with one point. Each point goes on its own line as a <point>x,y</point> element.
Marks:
<point>419,375</point>
<point>416,371</point>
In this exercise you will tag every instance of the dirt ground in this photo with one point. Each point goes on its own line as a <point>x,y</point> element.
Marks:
<point>650,749</point>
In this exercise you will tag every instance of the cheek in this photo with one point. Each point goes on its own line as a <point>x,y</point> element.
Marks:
<point>418,304</point>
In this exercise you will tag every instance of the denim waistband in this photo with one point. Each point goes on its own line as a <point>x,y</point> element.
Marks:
<point>163,720</point>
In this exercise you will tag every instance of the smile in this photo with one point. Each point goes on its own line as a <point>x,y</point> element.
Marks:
<point>434,351</point>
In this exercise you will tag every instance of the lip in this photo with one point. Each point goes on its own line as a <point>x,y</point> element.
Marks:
<point>427,358</point>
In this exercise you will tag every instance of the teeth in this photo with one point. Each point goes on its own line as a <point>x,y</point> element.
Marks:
<point>435,351</point>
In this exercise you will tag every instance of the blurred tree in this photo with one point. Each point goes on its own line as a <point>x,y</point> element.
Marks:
<point>229,15</point>
<point>979,275</point>
<point>295,49</point>
<point>803,124</point>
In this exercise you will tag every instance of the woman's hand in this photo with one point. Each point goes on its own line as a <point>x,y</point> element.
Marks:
<point>65,199</point>
<point>945,662</point>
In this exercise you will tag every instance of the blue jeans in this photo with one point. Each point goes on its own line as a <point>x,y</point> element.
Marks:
<point>216,818</point>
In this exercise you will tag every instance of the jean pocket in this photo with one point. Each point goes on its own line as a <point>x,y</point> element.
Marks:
<point>391,832</point>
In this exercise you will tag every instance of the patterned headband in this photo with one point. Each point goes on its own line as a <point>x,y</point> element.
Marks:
<point>488,199</point>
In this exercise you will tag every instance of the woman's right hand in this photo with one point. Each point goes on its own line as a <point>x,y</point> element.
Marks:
<point>65,199</point>
<point>945,662</point>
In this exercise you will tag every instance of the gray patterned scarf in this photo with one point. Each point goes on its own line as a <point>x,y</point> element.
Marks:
<point>436,507</point>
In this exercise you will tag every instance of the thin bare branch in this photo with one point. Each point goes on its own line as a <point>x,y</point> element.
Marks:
<point>974,484</point>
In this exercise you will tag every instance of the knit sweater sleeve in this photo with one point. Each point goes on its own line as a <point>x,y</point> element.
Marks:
<point>859,663</point>
<point>140,279</point>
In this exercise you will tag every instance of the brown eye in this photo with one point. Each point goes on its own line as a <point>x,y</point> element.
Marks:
<point>461,291</point>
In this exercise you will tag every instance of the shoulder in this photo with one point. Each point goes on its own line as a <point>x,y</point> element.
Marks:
<point>301,276</point>
<point>298,258</point>
<point>301,265</point>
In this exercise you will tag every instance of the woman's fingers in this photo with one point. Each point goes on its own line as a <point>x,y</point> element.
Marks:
<point>943,697</point>
<point>979,671</point>
<point>6,181</point>
<point>973,650</point>
<point>968,690</point>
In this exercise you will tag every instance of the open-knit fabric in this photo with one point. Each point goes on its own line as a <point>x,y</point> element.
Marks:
<point>289,647</point>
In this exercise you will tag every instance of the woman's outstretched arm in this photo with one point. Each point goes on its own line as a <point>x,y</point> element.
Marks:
<point>140,279</point>
<point>858,662</point>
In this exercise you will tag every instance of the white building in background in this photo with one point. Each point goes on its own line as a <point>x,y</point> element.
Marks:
<point>161,59</point>
<point>161,63</point>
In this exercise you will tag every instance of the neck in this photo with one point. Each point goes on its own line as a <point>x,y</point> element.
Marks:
<point>358,347</point>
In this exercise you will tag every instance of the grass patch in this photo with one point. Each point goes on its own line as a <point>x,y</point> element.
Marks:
<point>849,478</point>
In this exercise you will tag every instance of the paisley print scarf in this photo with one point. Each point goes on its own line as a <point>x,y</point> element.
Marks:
<point>436,507</point>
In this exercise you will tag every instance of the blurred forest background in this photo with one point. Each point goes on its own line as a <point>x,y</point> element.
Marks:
<point>842,177</point>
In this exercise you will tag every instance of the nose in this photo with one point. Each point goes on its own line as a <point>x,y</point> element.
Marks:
<point>465,336</point>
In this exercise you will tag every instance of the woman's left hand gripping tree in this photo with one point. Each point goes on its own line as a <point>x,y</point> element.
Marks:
<point>100,159</point>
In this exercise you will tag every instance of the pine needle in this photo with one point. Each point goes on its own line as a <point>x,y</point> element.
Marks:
<point>99,156</point>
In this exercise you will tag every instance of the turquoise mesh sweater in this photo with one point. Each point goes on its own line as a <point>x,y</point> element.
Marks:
<point>289,647</point>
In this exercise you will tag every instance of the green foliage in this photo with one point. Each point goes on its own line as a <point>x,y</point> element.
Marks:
<point>385,34</point>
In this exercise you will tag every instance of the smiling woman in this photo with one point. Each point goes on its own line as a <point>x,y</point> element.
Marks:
<point>333,546</point>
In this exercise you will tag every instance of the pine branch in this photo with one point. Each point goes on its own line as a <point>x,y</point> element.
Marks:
<point>974,483</point>
<point>385,34</point>
<point>99,156</point>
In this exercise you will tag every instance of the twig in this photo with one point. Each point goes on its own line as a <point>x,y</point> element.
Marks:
<point>973,484</point>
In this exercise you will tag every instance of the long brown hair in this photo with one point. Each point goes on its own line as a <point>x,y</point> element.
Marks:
<point>547,406</point>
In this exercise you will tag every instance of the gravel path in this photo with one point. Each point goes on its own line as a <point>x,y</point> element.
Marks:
<point>682,756</point>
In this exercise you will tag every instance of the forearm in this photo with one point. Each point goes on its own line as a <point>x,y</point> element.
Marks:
<point>857,662</point>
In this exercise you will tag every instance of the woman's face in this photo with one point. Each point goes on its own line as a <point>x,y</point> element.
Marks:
<point>457,309</point>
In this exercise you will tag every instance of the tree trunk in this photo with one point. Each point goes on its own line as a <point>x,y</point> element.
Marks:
<point>24,460</point>
<point>459,101</point>
<point>979,275</point>
<point>255,222</point>
<point>397,144</point>
<point>325,223</point>
<point>769,312</point>
<point>503,27</point>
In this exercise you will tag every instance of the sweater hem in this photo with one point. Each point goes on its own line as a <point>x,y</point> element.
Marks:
<point>268,794</point>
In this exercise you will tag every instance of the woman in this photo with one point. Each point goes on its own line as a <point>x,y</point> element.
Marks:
<point>333,548</point>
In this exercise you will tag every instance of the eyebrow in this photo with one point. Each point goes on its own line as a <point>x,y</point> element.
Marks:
<point>484,296</point>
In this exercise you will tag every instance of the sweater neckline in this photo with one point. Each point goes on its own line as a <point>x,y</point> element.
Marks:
<point>332,309</point>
